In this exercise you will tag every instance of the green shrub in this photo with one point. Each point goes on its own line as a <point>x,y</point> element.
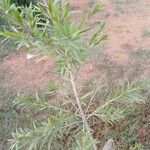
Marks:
<point>70,124</point>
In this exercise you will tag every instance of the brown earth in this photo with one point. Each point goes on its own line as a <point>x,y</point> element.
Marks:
<point>126,25</point>
<point>26,74</point>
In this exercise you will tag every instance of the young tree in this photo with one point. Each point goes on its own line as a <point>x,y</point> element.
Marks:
<point>49,27</point>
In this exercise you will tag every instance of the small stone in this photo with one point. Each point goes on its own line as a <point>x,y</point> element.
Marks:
<point>30,56</point>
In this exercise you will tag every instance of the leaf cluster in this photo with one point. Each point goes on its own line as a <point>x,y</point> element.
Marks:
<point>63,128</point>
<point>51,28</point>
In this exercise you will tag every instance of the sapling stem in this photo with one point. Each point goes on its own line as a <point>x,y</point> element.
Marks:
<point>81,111</point>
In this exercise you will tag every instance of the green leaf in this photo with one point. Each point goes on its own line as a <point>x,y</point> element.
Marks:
<point>111,115</point>
<point>87,95</point>
<point>66,11</point>
<point>95,8</point>
<point>98,37</point>
<point>81,32</point>
<point>50,7</point>
<point>9,34</point>
<point>18,16</point>
<point>83,141</point>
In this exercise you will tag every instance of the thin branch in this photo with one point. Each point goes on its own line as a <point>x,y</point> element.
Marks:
<point>109,102</point>
<point>64,94</point>
<point>91,100</point>
<point>81,111</point>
